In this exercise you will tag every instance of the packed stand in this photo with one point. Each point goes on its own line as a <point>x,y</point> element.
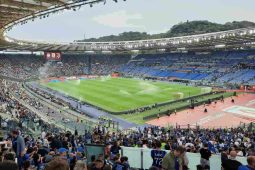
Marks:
<point>216,67</point>
<point>68,150</point>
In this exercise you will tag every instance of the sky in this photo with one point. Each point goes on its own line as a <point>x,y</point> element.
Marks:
<point>152,16</point>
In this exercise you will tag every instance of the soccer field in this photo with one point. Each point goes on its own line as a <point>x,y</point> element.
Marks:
<point>121,94</point>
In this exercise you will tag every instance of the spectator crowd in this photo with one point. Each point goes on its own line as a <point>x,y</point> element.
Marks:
<point>56,149</point>
<point>67,150</point>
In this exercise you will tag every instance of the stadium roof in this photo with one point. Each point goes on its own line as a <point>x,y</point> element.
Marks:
<point>229,40</point>
<point>19,12</point>
<point>14,12</point>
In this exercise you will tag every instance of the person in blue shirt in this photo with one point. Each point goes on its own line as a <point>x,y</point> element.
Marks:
<point>121,165</point>
<point>157,155</point>
<point>115,149</point>
<point>18,145</point>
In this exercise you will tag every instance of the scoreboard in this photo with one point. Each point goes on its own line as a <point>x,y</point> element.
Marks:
<point>52,56</point>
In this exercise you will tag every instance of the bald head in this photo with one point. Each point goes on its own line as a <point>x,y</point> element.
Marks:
<point>232,154</point>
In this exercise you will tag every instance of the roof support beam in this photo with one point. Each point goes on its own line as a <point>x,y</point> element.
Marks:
<point>11,13</point>
<point>22,5</point>
<point>34,2</point>
<point>53,2</point>
<point>14,9</point>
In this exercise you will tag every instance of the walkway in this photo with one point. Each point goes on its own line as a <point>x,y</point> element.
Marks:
<point>221,114</point>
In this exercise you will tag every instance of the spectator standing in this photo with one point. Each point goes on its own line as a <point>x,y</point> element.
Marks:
<point>231,163</point>
<point>205,156</point>
<point>185,161</point>
<point>115,149</point>
<point>173,160</point>
<point>157,155</point>
<point>18,145</point>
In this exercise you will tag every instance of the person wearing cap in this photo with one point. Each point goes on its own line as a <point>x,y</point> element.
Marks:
<point>62,152</point>
<point>173,160</point>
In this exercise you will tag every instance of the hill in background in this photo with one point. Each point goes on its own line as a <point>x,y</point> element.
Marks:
<point>181,29</point>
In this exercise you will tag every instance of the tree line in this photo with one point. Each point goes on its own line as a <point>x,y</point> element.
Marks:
<point>181,29</point>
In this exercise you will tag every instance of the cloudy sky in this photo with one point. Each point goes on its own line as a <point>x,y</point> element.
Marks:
<point>152,16</point>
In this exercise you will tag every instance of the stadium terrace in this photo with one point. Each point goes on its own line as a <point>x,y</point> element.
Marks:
<point>179,100</point>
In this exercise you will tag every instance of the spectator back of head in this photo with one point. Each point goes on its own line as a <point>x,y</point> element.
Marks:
<point>180,149</point>
<point>251,160</point>
<point>9,156</point>
<point>8,165</point>
<point>57,164</point>
<point>80,165</point>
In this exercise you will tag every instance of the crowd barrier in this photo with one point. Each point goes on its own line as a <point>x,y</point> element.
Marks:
<point>141,157</point>
<point>93,149</point>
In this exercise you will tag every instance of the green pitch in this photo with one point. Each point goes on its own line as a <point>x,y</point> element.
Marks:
<point>121,94</point>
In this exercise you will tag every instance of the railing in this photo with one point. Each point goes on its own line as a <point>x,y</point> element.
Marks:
<point>187,105</point>
<point>11,78</point>
<point>67,111</point>
<point>141,157</point>
<point>250,126</point>
<point>42,115</point>
<point>9,123</point>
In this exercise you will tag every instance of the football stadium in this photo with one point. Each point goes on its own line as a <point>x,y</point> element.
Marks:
<point>108,85</point>
<point>123,94</point>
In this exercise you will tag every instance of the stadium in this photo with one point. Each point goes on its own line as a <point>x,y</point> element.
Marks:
<point>130,99</point>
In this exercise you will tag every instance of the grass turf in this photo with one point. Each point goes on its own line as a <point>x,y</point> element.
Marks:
<point>121,94</point>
